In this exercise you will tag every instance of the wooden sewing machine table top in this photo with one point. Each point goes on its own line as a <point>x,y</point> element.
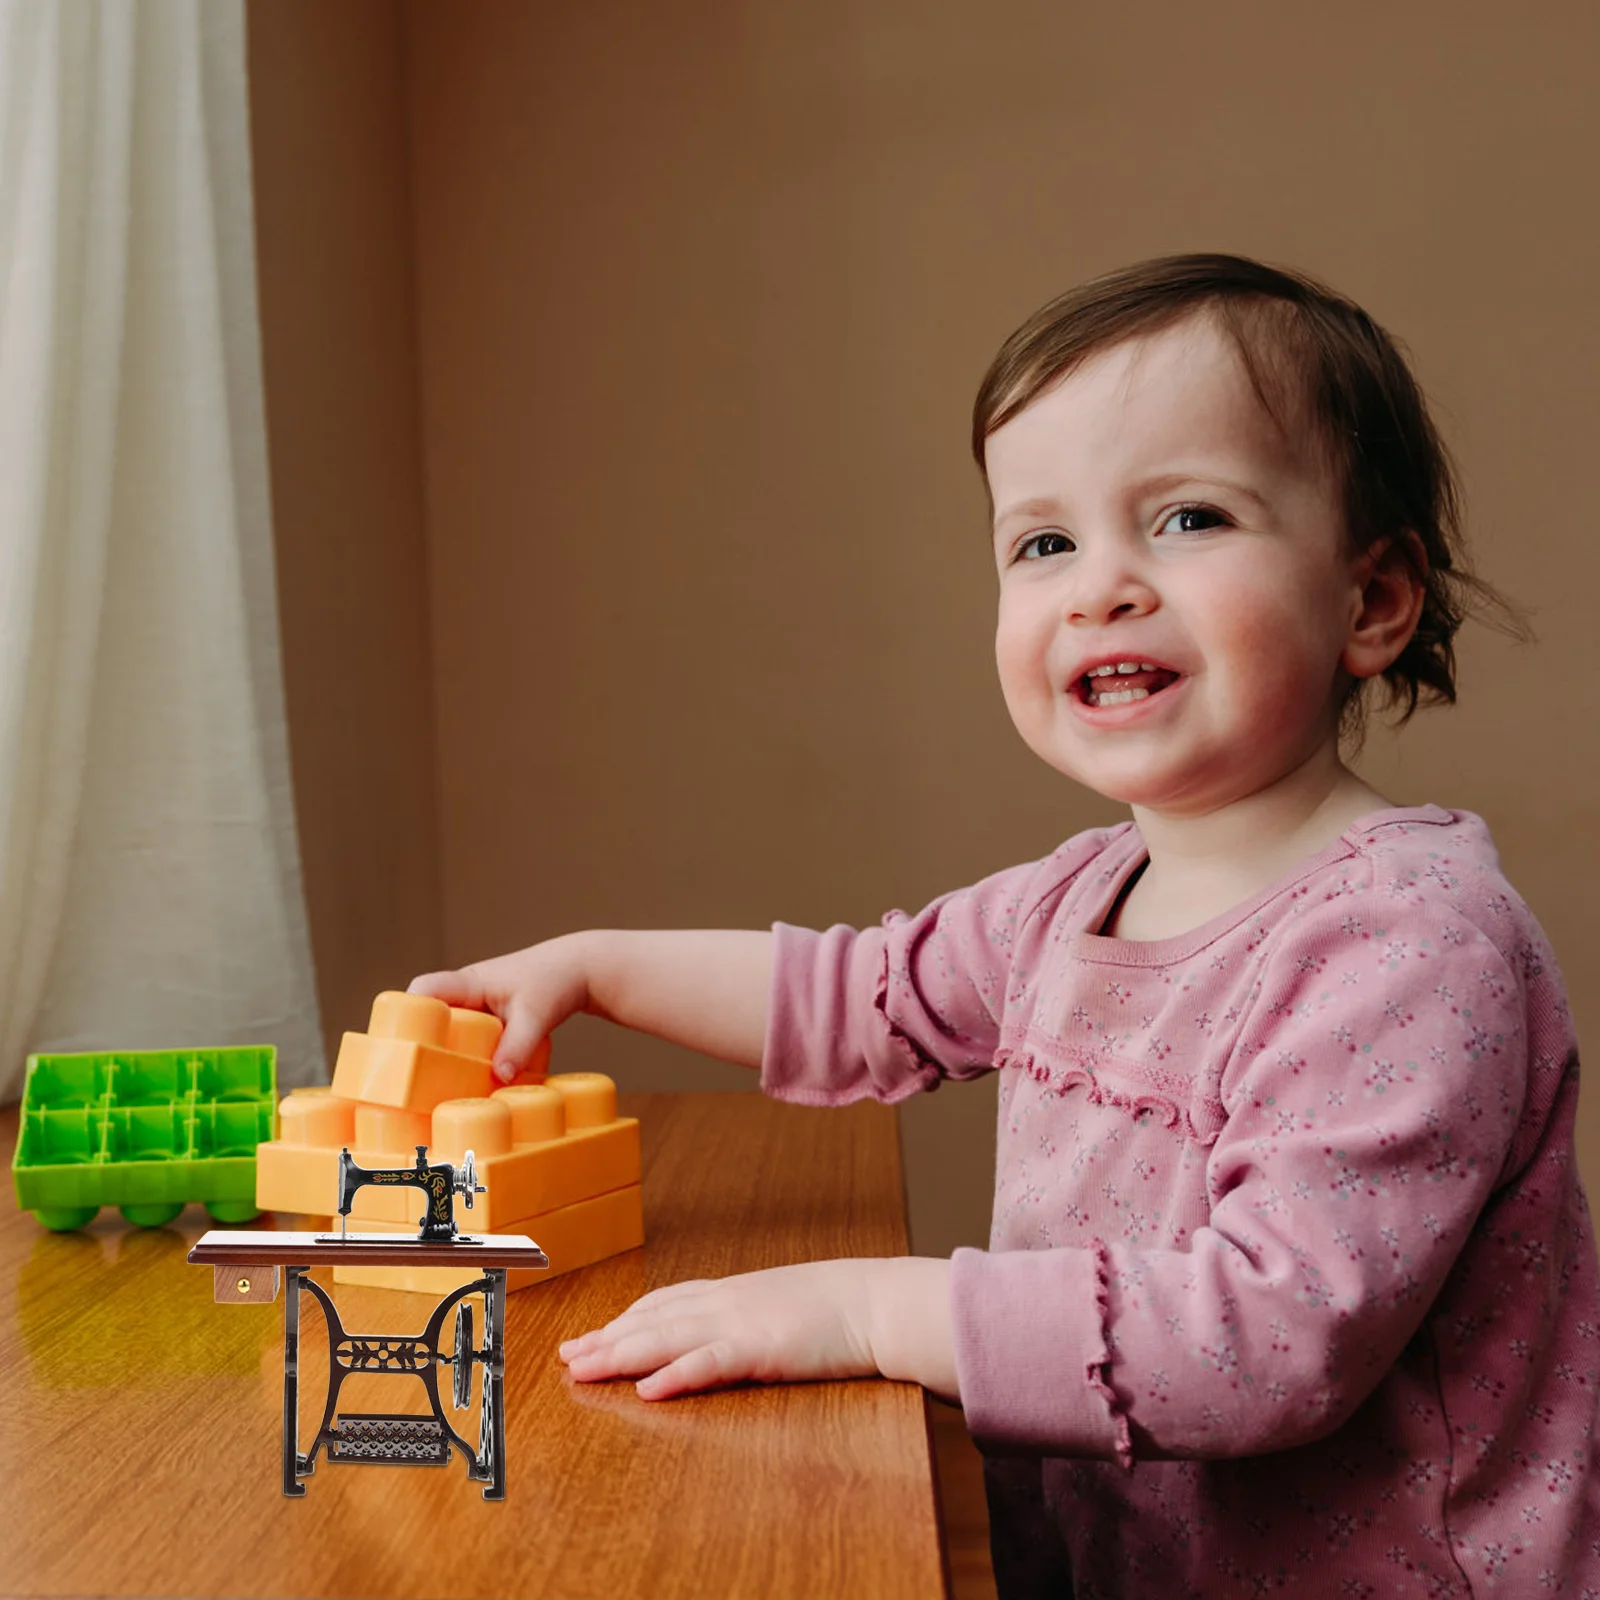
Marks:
<point>140,1439</point>
<point>243,1248</point>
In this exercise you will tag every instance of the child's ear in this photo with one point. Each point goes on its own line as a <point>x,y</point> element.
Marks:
<point>1390,585</point>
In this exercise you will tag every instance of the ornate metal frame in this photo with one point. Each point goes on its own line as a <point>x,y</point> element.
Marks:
<point>400,1439</point>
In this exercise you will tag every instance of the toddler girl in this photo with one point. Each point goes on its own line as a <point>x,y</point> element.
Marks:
<point>1291,1281</point>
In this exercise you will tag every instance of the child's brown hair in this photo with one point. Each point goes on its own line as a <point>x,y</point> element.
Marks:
<point>1306,348</point>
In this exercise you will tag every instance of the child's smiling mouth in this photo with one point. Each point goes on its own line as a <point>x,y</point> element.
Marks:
<point>1107,690</point>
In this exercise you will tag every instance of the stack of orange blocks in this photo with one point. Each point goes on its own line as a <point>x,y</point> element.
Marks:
<point>557,1162</point>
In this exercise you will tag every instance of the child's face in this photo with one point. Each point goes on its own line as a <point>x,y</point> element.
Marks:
<point>1148,509</point>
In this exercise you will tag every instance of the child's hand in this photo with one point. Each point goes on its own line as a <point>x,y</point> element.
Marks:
<point>532,991</point>
<point>822,1319</point>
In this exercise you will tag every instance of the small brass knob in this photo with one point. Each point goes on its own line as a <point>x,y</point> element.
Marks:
<point>244,1286</point>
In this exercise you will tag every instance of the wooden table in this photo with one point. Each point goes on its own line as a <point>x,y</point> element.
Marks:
<point>140,1433</point>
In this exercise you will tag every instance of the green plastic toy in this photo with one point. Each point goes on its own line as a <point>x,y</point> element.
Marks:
<point>147,1131</point>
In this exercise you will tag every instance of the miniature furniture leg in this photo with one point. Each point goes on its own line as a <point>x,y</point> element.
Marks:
<point>291,1381</point>
<point>492,1428</point>
<point>398,1439</point>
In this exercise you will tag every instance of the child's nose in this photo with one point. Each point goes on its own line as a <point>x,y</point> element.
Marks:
<point>1109,581</point>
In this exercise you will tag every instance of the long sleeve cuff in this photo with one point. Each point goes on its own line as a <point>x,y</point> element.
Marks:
<point>1032,1357</point>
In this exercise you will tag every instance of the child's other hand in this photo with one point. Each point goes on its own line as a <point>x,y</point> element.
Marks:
<point>821,1319</point>
<point>532,991</point>
<point>786,1323</point>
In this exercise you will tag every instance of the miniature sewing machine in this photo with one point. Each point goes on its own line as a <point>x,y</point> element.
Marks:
<point>247,1266</point>
<point>439,1183</point>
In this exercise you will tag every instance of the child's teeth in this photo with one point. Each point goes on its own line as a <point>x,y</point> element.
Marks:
<point>1119,696</point>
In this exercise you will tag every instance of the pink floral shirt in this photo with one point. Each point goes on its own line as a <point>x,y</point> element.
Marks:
<point>1291,1284</point>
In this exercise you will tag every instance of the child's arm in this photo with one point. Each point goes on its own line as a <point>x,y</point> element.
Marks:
<point>879,1014</point>
<point>704,989</point>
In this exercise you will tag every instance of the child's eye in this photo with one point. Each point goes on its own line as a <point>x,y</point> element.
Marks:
<point>1208,514</point>
<point>1042,544</point>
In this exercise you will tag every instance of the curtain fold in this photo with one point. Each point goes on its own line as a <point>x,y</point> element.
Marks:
<point>150,890</point>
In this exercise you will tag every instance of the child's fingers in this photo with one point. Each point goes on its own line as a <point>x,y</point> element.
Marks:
<point>709,1297</point>
<point>466,988</point>
<point>646,1305</point>
<point>463,988</point>
<point>524,1031</point>
<point>710,1366</point>
<point>631,1321</point>
<point>646,1347</point>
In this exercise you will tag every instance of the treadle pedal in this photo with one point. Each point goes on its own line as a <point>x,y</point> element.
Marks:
<point>395,1439</point>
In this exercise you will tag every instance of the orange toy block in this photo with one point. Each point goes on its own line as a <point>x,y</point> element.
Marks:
<point>589,1098</point>
<point>390,1128</point>
<point>482,1125</point>
<point>541,1178</point>
<point>299,1178</point>
<point>572,1237</point>
<point>316,1117</point>
<point>416,1052</point>
<point>538,1112</point>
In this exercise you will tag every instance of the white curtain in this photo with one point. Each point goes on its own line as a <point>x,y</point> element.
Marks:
<point>150,891</point>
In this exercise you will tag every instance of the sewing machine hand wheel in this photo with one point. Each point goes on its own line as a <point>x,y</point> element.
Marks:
<point>467,1180</point>
<point>461,1391</point>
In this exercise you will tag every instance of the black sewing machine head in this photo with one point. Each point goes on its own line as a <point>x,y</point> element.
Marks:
<point>439,1182</point>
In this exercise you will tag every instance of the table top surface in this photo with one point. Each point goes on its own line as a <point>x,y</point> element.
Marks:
<point>232,1247</point>
<point>141,1440</point>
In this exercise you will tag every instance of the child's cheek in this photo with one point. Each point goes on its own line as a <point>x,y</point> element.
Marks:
<point>1021,641</point>
<point>1021,682</point>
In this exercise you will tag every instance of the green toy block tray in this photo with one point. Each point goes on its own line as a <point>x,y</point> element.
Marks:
<point>145,1130</point>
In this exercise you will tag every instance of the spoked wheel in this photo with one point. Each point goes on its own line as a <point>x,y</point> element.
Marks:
<point>461,1391</point>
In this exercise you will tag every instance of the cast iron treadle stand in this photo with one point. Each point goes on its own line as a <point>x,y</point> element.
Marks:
<point>401,1439</point>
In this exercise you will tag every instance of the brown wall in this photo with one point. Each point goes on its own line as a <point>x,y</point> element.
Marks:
<point>702,295</point>
<point>334,253</point>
